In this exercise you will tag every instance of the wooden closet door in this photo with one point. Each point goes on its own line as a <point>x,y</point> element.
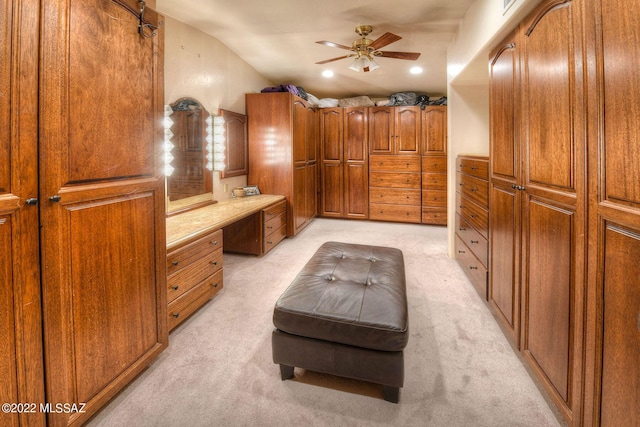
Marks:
<point>613,377</point>
<point>102,208</point>
<point>504,215</point>
<point>356,163</point>
<point>553,200</point>
<point>21,363</point>
<point>331,161</point>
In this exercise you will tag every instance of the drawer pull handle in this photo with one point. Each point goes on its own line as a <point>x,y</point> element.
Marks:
<point>461,252</point>
<point>473,189</point>
<point>214,262</point>
<point>269,227</point>
<point>174,263</point>
<point>473,215</point>
<point>461,185</point>
<point>472,267</point>
<point>269,243</point>
<point>175,288</point>
<point>474,241</point>
<point>462,229</point>
<point>474,168</point>
<point>176,315</point>
<point>215,285</point>
<point>214,242</point>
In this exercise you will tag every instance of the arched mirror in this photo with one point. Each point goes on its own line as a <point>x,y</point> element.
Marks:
<point>188,178</point>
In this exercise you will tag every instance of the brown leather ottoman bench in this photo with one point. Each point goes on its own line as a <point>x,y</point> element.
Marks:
<point>345,314</point>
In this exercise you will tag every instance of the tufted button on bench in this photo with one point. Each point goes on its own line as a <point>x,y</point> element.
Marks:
<point>346,314</point>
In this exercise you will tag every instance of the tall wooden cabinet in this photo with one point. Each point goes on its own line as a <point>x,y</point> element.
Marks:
<point>81,205</point>
<point>344,162</point>
<point>538,197</point>
<point>613,286</point>
<point>283,153</point>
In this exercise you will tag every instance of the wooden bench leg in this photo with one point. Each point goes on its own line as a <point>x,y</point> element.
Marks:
<point>391,394</point>
<point>286,372</point>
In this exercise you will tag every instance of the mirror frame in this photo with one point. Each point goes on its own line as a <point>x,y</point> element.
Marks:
<point>174,207</point>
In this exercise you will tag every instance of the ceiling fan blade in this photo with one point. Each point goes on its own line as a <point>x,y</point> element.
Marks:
<point>332,44</point>
<point>383,40</point>
<point>333,59</point>
<point>412,56</point>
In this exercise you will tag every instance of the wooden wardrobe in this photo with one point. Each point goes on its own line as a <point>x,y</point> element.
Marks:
<point>283,153</point>
<point>82,218</point>
<point>565,204</point>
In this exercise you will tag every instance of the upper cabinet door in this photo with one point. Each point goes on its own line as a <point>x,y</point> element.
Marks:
<point>102,209</point>
<point>381,130</point>
<point>408,130</point>
<point>434,130</point>
<point>236,140</point>
<point>300,127</point>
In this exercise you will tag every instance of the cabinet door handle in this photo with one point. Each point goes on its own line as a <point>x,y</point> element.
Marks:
<point>55,198</point>
<point>513,186</point>
<point>32,201</point>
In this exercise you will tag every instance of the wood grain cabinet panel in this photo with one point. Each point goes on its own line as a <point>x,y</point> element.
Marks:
<point>21,347</point>
<point>434,164</point>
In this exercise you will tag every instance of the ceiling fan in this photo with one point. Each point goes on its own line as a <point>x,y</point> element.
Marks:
<point>364,50</point>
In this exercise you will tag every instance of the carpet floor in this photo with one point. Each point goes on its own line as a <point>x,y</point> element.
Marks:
<point>460,369</point>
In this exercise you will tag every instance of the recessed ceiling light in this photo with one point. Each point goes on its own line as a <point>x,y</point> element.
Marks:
<point>327,73</point>
<point>415,70</point>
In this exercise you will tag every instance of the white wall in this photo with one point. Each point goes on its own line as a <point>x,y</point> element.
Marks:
<point>199,66</point>
<point>485,24</point>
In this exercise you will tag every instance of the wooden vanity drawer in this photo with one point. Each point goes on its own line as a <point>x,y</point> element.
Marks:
<point>273,211</point>
<point>187,254</point>
<point>274,223</point>
<point>179,309</point>
<point>434,181</point>
<point>473,268</point>
<point>394,163</point>
<point>397,213</point>
<point>393,196</point>
<point>475,167</point>
<point>474,188</point>
<point>274,238</point>
<point>474,240</point>
<point>434,164</point>
<point>190,276</point>
<point>394,180</point>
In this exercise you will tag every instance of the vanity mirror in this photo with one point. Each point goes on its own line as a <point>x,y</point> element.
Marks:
<point>188,165</point>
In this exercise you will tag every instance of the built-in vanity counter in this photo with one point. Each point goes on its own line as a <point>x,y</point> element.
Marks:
<point>251,224</point>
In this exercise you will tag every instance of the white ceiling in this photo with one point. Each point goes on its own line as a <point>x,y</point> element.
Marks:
<point>277,38</point>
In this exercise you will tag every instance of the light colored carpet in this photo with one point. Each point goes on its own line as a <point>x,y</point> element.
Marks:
<point>459,368</point>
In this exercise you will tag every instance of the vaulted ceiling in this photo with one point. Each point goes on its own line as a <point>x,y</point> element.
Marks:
<point>278,38</point>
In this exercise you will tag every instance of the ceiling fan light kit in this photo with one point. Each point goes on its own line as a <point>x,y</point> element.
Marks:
<point>364,50</point>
